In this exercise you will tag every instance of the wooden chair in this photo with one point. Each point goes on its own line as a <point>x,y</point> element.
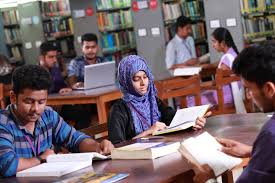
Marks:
<point>180,87</point>
<point>97,131</point>
<point>4,92</point>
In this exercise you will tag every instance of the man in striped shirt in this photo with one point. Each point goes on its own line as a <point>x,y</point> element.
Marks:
<point>29,129</point>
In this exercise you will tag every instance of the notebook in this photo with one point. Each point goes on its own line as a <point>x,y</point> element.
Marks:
<point>193,147</point>
<point>184,118</point>
<point>145,150</point>
<point>187,71</point>
<point>61,164</point>
<point>99,75</point>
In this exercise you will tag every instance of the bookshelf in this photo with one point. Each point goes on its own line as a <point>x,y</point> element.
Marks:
<point>116,30</point>
<point>258,20</point>
<point>12,36</point>
<point>194,9</point>
<point>57,25</point>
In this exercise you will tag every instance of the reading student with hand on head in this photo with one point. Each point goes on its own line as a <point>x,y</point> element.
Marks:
<point>89,45</point>
<point>256,66</point>
<point>48,60</point>
<point>28,128</point>
<point>181,51</point>
<point>140,112</point>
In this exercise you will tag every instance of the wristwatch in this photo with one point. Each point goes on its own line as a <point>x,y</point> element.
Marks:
<point>211,181</point>
<point>41,160</point>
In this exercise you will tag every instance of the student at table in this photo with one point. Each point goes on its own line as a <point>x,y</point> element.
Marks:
<point>58,71</point>
<point>256,66</point>
<point>29,129</point>
<point>89,45</point>
<point>140,112</point>
<point>181,51</point>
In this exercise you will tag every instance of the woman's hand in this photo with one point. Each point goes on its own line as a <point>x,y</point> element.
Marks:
<point>64,91</point>
<point>156,127</point>
<point>200,121</point>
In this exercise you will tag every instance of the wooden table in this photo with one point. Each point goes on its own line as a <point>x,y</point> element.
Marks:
<point>100,97</point>
<point>172,168</point>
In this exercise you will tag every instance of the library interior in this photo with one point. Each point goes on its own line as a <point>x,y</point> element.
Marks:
<point>137,90</point>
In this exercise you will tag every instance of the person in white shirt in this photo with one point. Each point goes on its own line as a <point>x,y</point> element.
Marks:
<point>180,50</point>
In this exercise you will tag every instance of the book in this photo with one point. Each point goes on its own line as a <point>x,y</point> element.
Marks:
<point>184,118</point>
<point>145,150</point>
<point>204,149</point>
<point>61,164</point>
<point>93,177</point>
<point>187,71</point>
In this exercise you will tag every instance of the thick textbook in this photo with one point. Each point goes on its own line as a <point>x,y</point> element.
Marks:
<point>187,71</point>
<point>204,149</point>
<point>184,118</point>
<point>61,164</point>
<point>145,150</point>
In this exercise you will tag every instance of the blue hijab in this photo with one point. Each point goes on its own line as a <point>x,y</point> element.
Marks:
<point>144,108</point>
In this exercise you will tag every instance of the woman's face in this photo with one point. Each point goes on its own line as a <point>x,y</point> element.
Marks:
<point>216,45</point>
<point>140,82</point>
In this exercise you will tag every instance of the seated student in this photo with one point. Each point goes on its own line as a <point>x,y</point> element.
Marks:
<point>29,129</point>
<point>140,112</point>
<point>256,66</point>
<point>5,70</point>
<point>89,44</point>
<point>48,60</point>
<point>181,50</point>
<point>222,41</point>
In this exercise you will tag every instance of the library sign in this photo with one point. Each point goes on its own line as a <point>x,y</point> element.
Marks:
<point>139,5</point>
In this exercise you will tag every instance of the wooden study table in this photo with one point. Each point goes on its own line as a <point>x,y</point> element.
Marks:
<point>172,168</point>
<point>100,97</point>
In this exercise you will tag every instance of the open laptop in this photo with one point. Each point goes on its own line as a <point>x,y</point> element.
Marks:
<point>99,75</point>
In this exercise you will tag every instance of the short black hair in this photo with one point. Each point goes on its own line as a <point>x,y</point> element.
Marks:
<point>88,37</point>
<point>32,77</point>
<point>46,47</point>
<point>257,63</point>
<point>182,21</point>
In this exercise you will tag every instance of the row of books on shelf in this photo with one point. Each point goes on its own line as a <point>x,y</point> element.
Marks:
<point>55,8</point>
<point>258,25</point>
<point>187,8</point>
<point>15,52</point>
<point>115,20</point>
<point>58,27</point>
<point>110,4</point>
<point>117,40</point>
<point>250,6</point>
<point>10,17</point>
<point>198,31</point>
<point>12,35</point>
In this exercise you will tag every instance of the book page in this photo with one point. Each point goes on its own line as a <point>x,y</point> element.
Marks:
<point>187,71</point>
<point>205,151</point>
<point>72,157</point>
<point>189,114</point>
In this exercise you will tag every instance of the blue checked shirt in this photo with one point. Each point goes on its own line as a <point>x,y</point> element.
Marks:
<point>50,130</point>
<point>77,65</point>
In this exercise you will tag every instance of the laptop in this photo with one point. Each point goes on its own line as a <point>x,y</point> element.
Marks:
<point>99,75</point>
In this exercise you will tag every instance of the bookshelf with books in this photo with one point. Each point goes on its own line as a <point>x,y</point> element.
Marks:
<point>258,20</point>
<point>194,9</point>
<point>57,25</point>
<point>12,36</point>
<point>116,30</point>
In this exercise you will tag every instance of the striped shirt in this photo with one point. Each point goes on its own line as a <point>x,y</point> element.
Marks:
<point>77,65</point>
<point>50,130</point>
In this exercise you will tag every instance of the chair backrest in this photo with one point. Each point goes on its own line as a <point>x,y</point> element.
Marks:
<point>180,87</point>
<point>101,129</point>
<point>224,77</point>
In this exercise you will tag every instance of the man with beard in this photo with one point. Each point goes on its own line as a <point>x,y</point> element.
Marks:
<point>89,44</point>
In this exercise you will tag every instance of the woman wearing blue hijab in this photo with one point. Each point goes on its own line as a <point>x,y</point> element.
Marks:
<point>140,111</point>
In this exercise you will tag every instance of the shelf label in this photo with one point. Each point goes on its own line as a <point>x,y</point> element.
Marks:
<point>214,23</point>
<point>155,31</point>
<point>231,22</point>
<point>89,11</point>
<point>142,32</point>
<point>153,4</point>
<point>79,13</point>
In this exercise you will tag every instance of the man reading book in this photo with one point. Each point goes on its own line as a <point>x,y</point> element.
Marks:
<point>256,66</point>
<point>29,129</point>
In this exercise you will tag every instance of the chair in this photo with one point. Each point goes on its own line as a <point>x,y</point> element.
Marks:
<point>180,87</point>
<point>4,92</point>
<point>98,131</point>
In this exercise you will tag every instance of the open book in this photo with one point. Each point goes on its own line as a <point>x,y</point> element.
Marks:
<point>145,150</point>
<point>184,118</point>
<point>187,71</point>
<point>61,164</point>
<point>204,149</point>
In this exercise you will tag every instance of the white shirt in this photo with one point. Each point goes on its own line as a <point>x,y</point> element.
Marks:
<point>179,51</point>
